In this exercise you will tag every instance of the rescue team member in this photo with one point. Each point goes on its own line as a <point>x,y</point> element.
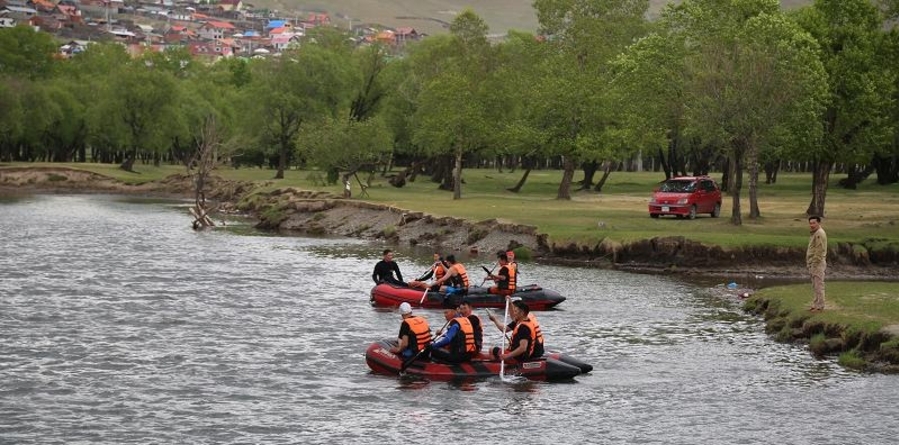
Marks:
<point>459,338</point>
<point>539,349</point>
<point>387,271</point>
<point>511,256</point>
<point>524,337</point>
<point>506,277</point>
<point>415,333</point>
<point>476,325</point>
<point>456,279</point>
<point>437,271</point>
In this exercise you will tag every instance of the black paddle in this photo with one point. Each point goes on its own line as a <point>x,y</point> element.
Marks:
<point>489,272</point>
<point>409,362</point>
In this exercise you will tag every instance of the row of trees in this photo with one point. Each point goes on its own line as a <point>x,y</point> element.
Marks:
<point>734,85</point>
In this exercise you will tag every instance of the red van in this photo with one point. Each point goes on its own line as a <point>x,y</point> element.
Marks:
<point>686,196</point>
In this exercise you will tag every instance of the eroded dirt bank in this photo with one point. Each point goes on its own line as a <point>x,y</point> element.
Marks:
<point>318,213</point>
<point>867,351</point>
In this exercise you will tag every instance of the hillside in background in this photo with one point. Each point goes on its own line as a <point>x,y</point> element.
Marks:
<point>433,16</point>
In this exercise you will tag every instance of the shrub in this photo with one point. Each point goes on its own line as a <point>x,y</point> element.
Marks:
<point>852,360</point>
<point>523,253</point>
<point>818,345</point>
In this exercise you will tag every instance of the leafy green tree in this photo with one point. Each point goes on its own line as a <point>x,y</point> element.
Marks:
<point>406,79</point>
<point>750,80</point>
<point>450,118</point>
<point>371,62</point>
<point>175,60</point>
<point>26,52</point>
<point>204,110</point>
<point>139,104</point>
<point>96,60</point>
<point>575,108</point>
<point>649,92</point>
<point>861,87</point>
<point>91,74</point>
<point>509,94</point>
<point>64,131</point>
<point>344,145</point>
<point>886,159</point>
<point>11,117</point>
<point>302,85</point>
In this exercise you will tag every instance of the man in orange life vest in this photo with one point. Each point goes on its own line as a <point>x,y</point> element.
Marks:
<point>459,338</point>
<point>527,338</point>
<point>437,271</point>
<point>505,278</point>
<point>456,279</point>
<point>415,333</point>
<point>476,325</point>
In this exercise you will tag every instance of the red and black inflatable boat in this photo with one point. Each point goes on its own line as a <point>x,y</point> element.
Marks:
<point>553,366</point>
<point>536,297</point>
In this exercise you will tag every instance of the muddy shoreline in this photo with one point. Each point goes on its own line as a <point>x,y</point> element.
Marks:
<point>289,210</point>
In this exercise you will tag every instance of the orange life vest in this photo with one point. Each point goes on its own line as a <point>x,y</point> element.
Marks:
<point>421,331</point>
<point>538,334</point>
<point>513,272</point>
<point>439,270</point>
<point>461,274</point>
<point>531,341</point>
<point>464,343</point>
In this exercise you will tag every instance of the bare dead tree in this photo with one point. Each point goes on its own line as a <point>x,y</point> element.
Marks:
<point>199,167</point>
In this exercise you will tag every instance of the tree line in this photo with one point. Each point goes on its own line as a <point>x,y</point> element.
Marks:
<point>732,86</point>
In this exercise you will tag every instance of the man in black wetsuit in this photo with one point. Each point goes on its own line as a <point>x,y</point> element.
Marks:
<point>387,271</point>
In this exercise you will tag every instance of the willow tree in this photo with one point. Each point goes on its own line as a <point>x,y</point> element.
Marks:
<point>573,105</point>
<point>649,89</point>
<point>345,146</point>
<point>513,85</point>
<point>861,87</point>
<point>304,84</point>
<point>752,76</point>
<point>141,100</point>
<point>451,117</point>
<point>12,121</point>
<point>26,52</point>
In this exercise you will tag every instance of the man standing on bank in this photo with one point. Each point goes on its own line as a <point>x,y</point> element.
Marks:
<point>816,260</point>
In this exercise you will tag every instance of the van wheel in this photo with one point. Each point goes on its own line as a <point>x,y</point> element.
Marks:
<point>717,211</point>
<point>692,214</point>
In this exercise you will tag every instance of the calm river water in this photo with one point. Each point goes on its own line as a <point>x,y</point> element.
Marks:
<point>121,325</point>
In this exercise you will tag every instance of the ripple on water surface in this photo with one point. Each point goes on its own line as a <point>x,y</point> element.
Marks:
<point>119,324</point>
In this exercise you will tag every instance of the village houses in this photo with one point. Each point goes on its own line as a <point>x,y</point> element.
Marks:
<point>223,28</point>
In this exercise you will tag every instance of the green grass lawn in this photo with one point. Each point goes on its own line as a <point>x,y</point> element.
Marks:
<point>868,306</point>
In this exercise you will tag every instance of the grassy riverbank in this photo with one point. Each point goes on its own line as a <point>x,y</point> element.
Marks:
<point>860,324</point>
<point>619,213</point>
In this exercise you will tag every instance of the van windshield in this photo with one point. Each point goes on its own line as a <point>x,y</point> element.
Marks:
<point>675,186</point>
